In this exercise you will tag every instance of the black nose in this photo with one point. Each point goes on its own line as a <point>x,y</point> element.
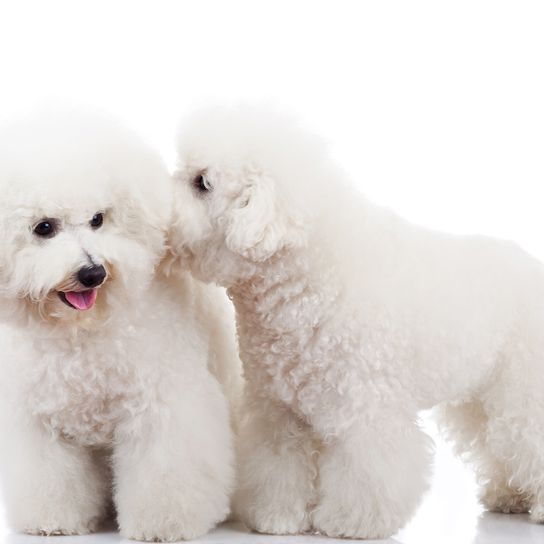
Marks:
<point>91,276</point>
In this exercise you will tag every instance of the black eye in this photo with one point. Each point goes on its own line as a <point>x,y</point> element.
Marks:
<point>46,228</point>
<point>201,183</point>
<point>97,221</point>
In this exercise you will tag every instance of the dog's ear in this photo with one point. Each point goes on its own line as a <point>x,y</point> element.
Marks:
<point>259,224</point>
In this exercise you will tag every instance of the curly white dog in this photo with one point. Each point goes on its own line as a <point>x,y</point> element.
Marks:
<point>350,320</point>
<point>105,366</point>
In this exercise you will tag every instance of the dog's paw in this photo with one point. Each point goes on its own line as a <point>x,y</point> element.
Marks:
<point>156,526</point>
<point>57,529</point>
<point>165,532</point>
<point>50,515</point>
<point>506,502</point>
<point>274,510</point>
<point>170,514</point>
<point>67,522</point>
<point>337,520</point>
<point>275,519</point>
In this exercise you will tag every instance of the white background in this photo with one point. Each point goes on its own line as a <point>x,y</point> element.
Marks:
<point>436,109</point>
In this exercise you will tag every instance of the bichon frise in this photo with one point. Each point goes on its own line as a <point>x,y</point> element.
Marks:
<point>106,367</point>
<point>350,321</point>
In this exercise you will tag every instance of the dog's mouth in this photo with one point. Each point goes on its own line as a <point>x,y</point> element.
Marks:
<point>79,300</point>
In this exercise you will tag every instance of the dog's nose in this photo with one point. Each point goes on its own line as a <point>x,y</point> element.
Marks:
<point>92,276</point>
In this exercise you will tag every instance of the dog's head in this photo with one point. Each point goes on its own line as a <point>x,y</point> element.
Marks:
<point>83,212</point>
<point>245,190</point>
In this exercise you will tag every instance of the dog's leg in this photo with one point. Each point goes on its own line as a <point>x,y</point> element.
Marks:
<point>276,469</point>
<point>466,425</point>
<point>52,487</point>
<point>514,433</point>
<point>512,469</point>
<point>372,478</point>
<point>502,431</point>
<point>174,463</point>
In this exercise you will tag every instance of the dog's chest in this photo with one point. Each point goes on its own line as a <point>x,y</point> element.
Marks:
<point>282,350</point>
<point>84,392</point>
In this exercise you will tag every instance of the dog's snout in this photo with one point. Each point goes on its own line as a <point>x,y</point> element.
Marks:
<point>92,276</point>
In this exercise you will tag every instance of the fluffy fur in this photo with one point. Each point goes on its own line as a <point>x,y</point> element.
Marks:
<point>350,321</point>
<point>122,401</point>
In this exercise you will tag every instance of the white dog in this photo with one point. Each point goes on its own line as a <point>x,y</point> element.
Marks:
<point>106,382</point>
<point>350,321</point>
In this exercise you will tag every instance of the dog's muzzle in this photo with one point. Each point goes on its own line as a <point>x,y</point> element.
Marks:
<point>90,278</point>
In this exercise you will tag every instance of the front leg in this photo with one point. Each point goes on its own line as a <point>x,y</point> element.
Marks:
<point>51,486</point>
<point>173,464</point>
<point>371,478</point>
<point>276,469</point>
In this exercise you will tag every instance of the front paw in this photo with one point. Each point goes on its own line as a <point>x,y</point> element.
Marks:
<point>76,510</point>
<point>65,520</point>
<point>274,520</point>
<point>168,529</point>
<point>273,515</point>
<point>169,515</point>
<point>169,525</point>
<point>366,521</point>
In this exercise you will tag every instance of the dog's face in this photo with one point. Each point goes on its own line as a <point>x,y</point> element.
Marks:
<point>82,217</point>
<point>228,220</point>
<point>244,191</point>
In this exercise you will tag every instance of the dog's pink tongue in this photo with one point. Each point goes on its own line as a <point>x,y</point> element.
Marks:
<point>82,301</point>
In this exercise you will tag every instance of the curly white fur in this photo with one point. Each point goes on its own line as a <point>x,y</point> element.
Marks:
<point>121,401</point>
<point>350,321</point>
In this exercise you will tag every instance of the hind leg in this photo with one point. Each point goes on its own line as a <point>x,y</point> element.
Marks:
<point>467,426</point>
<point>518,485</point>
<point>515,409</point>
<point>518,441</point>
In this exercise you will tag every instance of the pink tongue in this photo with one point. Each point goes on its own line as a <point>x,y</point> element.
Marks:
<point>82,301</point>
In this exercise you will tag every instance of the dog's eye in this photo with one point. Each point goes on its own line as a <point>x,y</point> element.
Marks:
<point>97,221</point>
<point>46,228</point>
<point>201,183</point>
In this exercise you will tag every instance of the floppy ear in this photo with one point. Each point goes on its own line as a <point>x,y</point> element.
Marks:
<point>260,225</point>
